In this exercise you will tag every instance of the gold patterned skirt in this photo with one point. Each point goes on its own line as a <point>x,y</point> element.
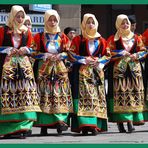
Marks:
<point>92,101</point>
<point>54,88</point>
<point>18,88</point>
<point>128,87</point>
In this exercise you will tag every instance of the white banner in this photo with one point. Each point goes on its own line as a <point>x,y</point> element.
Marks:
<point>36,29</point>
<point>40,7</point>
<point>3,18</point>
<point>37,19</point>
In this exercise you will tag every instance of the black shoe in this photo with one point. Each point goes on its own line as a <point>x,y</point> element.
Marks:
<point>23,135</point>
<point>94,131</point>
<point>121,128</point>
<point>139,123</point>
<point>130,127</point>
<point>20,135</point>
<point>27,133</point>
<point>85,131</point>
<point>43,131</point>
<point>59,131</point>
<point>8,136</point>
<point>61,127</point>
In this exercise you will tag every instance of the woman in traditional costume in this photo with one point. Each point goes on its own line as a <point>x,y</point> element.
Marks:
<point>19,100</point>
<point>89,55</point>
<point>52,78</point>
<point>145,41</point>
<point>28,22</point>
<point>126,90</point>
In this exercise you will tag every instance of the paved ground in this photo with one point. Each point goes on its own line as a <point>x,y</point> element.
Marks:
<point>110,137</point>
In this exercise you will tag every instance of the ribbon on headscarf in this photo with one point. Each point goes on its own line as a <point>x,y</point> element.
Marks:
<point>142,55</point>
<point>5,49</point>
<point>77,59</point>
<point>117,54</point>
<point>120,53</point>
<point>126,62</point>
<point>42,55</point>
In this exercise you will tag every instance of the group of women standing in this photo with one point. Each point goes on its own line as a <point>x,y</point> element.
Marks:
<point>38,93</point>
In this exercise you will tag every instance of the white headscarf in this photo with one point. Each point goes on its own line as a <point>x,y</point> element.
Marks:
<point>86,32</point>
<point>27,18</point>
<point>11,23</point>
<point>47,28</point>
<point>125,34</point>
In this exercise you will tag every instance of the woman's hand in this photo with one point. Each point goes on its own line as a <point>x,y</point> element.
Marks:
<point>90,61</point>
<point>53,57</point>
<point>49,56</point>
<point>58,57</point>
<point>133,57</point>
<point>46,56</point>
<point>125,53</point>
<point>13,51</point>
<point>22,51</point>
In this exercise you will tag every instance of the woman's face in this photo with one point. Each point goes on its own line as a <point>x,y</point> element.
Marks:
<point>27,24</point>
<point>19,17</point>
<point>71,35</point>
<point>90,23</point>
<point>52,21</point>
<point>124,24</point>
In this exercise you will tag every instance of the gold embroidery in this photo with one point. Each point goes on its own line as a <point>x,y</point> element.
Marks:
<point>128,89</point>
<point>92,100</point>
<point>18,95</point>
<point>54,88</point>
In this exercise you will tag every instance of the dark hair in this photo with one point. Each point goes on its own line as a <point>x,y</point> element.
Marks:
<point>132,19</point>
<point>68,29</point>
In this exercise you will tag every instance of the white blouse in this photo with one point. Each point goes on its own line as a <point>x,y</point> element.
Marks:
<point>51,47</point>
<point>128,44</point>
<point>16,40</point>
